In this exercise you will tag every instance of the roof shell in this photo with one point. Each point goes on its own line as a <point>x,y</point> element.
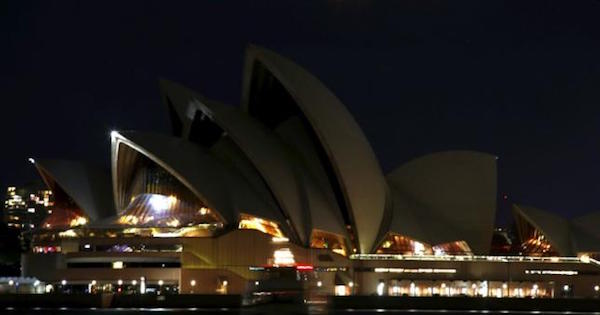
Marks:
<point>88,186</point>
<point>292,186</point>
<point>445,197</point>
<point>555,228</point>
<point>215,185</point>
<point>355,165</point>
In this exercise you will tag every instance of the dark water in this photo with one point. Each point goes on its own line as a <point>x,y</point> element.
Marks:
<point>270,309</point>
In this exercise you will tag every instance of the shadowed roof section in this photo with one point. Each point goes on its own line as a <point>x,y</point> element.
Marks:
<point>356,168</point>
<point>181,113</point>
<point>589,223</point>
<point>88,186</point>
<point>214,184</point>
<point>555,228</point>
<point>292,186</point>
<point>445,197</point>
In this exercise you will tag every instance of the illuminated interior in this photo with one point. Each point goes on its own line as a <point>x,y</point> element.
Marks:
<point>253,223</point>
<point>403,245</point>
<point>537,245</point>
<point>533,241</point>
<point>155,210</point>
<point>400,244</point>
<point>153,198</point>
<point>66,212</point>
<point>452,248</point>
<point>322,239</point>
<point>64,218</point>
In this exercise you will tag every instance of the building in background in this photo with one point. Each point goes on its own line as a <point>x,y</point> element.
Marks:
<point>285,193</point>
<point>26,207</point>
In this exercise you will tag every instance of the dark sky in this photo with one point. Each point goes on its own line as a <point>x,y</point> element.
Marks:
<point>518,79</point>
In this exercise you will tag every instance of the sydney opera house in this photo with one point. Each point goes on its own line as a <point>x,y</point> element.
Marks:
<point>287,184</point>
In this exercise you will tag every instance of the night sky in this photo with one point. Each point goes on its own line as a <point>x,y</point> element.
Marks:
<point>518,79</point>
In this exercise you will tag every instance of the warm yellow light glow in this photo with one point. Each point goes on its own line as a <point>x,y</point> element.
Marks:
<point>129,220</point>
<point>117,265</point>
<point>193,283</point>
<point>68,233</point>
<point>204,211</point>
<point>283,256</point>
<point>276,239</point>
<point>173,223</point>
<point>172,200</point>
<point>78,221</point>
<point>265,226</point>
<point>339,251</point>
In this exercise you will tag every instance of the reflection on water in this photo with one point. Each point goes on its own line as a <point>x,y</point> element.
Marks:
<point>270,309</point>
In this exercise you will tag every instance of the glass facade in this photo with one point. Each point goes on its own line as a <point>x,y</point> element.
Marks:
<point>157,199</point>
<point>322,239</point>
<point>533,241</point>
<point>254,223</point>
<point>403,245</point>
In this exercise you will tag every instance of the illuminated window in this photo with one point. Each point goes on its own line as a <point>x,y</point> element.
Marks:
<point>46,249</point>
<point>334,242</point>
<point>153,197</point>
<point>400,244</point>
<point>64,218</point>
<point>533,241</point>
<point>452,248</point>
<point>253,223</point>
<point>155,210</point>
<point>283,257</point>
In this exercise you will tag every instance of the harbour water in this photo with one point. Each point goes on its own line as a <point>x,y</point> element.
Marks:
<point>271,309</point>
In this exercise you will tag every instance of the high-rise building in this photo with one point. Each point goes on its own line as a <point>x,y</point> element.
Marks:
<point>26,207</point>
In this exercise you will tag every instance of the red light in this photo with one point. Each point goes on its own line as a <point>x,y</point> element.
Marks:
<point>304,267</point>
